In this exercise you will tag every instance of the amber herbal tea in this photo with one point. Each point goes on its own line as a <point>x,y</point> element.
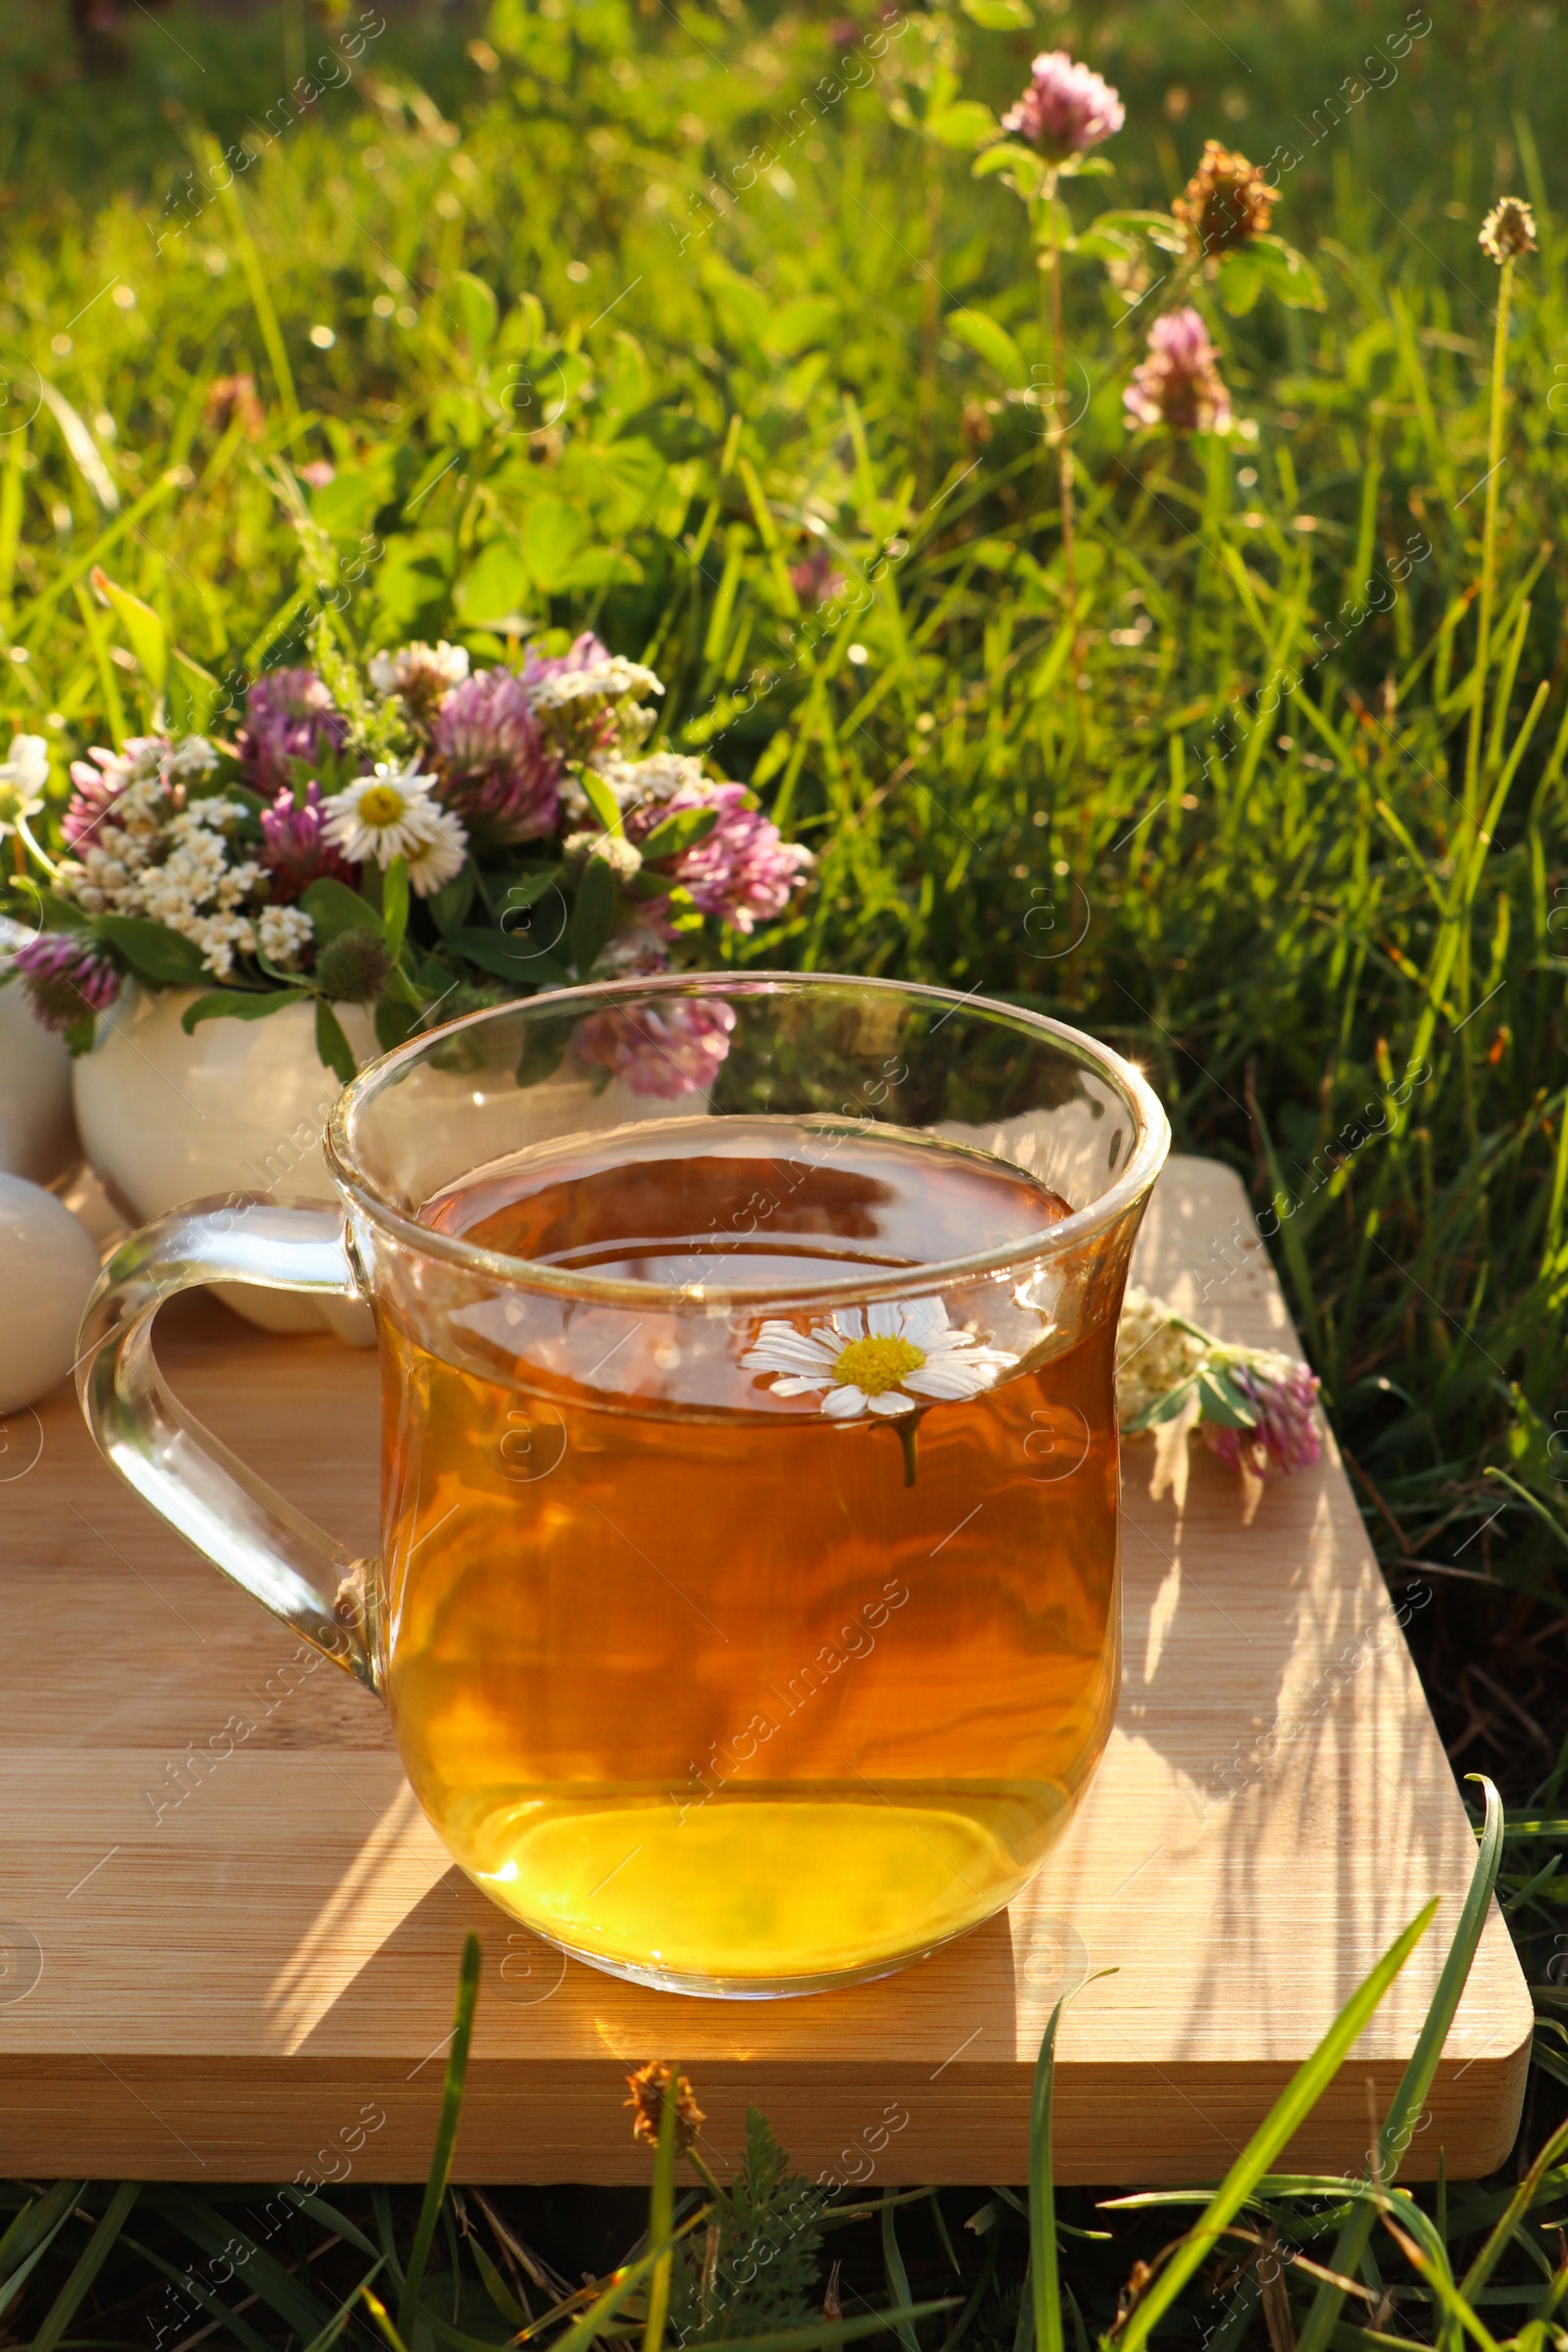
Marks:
<point>761,1640</point>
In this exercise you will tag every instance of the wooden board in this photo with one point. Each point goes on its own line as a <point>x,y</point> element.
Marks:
<point>237,1961</point>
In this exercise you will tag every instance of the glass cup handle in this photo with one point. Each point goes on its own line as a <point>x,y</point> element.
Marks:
<point>209,1496</point>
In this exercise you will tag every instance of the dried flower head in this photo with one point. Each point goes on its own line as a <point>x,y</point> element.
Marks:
<point>235,396</point>
<point>420,673</point>
<point>1066,110</point>
<point>1178,383</point>
<point>353,967</point>
<point>1226,202</point>
<point>650,2086</point>
<point>1508,229</point>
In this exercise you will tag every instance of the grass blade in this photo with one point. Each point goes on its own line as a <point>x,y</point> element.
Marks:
<point>1283,2121</point>
<point>446,2132</point>
<point>1418,2079</point>
<point>88,2265</point>
<point>1043,2197</point>
<point>898,2277</point>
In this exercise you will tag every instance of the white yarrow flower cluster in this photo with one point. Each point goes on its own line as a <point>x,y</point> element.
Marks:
<point>610,681</point>
<point>1154,1354</point>
<point>283,933</point>
<point>419,669</point>
<point>169,868</point>
<point>393,814</point>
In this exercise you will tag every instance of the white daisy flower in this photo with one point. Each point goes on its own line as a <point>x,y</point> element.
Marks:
<point>438,855</point>
<point>865,1362</point>
<point>24,773</point>
<point>383,816</point>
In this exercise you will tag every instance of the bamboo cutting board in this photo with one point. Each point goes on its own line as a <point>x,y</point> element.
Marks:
<point>235,1960</point>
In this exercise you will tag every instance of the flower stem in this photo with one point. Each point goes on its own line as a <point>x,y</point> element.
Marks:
<point>1050,327</point>
<point>1489,548</point>
<point>906,1426</point>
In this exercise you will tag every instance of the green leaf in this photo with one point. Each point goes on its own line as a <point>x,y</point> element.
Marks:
<point>509,957</point>
<point>998,16</point>
<point>554,538</point>
<point>600,799</point>
<point>1287,274</point>
<point>395,906</point>
<point>478,312</point>
<point>592,915</point>
<point>528,889</point>
<point>435,2188</point>
<point>331,1043</point>
<point>240,1005</point>
<point>497,588</point>
<point>1160,228</point>
<point>1223,1400</point>
<point>969,124</point>
<point>149,639</point>
<point>395,1022</point>
<point>545,1040</point>
<point>335,908</point>
<point>993,343</point>
<point>153,951</point>
<point>1164,1409</point>
<point>1028,170</point>
<point>679,832</point>
<point>1240,285</point>
<point>449,905</point>
<point>194,694</point>
<point>1279,2127</point>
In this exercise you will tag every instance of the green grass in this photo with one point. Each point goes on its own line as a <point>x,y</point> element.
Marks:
<point>1338,939</point>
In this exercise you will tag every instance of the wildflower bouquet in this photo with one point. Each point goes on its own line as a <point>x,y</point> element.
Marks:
<point>1256,1407</point>
<point>411,836</point>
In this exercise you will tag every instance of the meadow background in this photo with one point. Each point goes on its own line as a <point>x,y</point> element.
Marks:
<point>607,312</point>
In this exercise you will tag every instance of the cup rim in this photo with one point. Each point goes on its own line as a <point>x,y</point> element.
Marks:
<point>1050,1241</point>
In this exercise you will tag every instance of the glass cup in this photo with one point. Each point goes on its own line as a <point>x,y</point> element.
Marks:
<point>748,1606</point>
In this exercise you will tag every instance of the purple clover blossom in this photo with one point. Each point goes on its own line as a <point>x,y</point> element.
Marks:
<point>296,850</point>
<point>1283,1393</point>
<point>1179,385</point>
<point>497,771</point>
<point>742,868</point>
<point>1066,110</point>
<point>666,1051</point>
<point>816,578</point>
<point>66,975</point>
<point>289,715</point>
